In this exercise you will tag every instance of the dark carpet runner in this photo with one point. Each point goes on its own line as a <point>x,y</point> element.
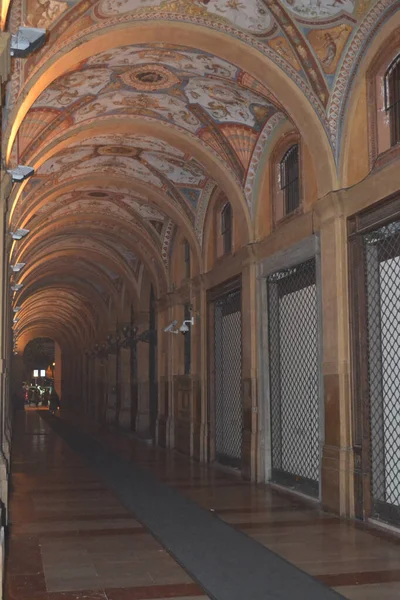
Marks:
<point>225,562</point>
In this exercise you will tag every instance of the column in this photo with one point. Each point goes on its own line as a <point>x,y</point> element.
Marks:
<point>125,388</point>
<point>142,349</point>
<point>249,369</point>
<point>337,457</point>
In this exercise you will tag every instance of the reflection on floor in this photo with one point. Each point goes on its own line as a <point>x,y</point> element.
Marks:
<point>70,538</point>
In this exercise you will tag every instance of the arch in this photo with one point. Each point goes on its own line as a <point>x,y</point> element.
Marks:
<point>246,57</point>
<point>354,134</point>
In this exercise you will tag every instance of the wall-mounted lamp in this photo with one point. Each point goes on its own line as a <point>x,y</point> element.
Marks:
<point>17,286</point>
<point>16,309</point>
<point>26,41</point>
<point>20,173</point>
<point>17,267</point>
<point>19,234</point>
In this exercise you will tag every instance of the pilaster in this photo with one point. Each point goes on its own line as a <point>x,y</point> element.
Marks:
<point>337,459</point>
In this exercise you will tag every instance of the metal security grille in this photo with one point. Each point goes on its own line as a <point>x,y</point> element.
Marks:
<point>382,281</point>
<point>228,378</point>
<point>290,179</point>
<point>294,377</point>
<point>392,100</point>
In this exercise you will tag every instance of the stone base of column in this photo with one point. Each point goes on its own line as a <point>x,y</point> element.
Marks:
<point>337,478</point>
<point>4,472</point>
<point>161,437</point>
<point>124,420</point>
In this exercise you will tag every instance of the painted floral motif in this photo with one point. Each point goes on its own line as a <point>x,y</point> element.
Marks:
<point>249,15</point>
<point>165,106</point>
<point>227,103</point>
<point>113,165</point>
<point>184,173</point>
<point>66,90</point>
<point>318,9</point>
<point>187,62</point>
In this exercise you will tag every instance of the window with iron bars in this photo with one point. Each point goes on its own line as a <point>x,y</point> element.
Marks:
<point>187,259</point>
<point>188,342</point>
<point>392,99</point>
<point>226,228</point>
<point>290,184</point>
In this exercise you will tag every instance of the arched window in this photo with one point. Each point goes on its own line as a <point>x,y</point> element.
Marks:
<point>289,175</point>
<point>226,228</point>
<point>392,99</point>
<point>187,259</point>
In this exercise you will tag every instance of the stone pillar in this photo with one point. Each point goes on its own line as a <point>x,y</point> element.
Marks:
<point>111,395</point>
<point>198,333</point>
<point>337,459</point>
<point>125,388</point>
<point>163,379</point>
<point>142,349</point>
<point>249,369</point>
<point>5,319</point>
<point>57,369</point>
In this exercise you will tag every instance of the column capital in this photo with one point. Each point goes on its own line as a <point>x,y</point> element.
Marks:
<point>5,189</point>
<point>5,56</point>
<point>329,208</point>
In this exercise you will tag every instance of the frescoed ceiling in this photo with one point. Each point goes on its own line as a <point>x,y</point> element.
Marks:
<point>135,112</point>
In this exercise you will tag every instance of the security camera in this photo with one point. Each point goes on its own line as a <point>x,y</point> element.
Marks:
<point>26,41</point>
<point>17,286</point>
<point>17,267</point>
<point>171,326</point>
<point>20,173</point>
<point>184,327</point>
<point>19,234</point>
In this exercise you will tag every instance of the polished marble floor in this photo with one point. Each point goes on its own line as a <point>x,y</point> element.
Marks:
<point>71,539</point>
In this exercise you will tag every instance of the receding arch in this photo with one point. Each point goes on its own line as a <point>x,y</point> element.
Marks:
<point>233,50</point>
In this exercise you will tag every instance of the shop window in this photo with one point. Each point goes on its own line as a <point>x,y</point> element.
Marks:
<point>392,100</point>
<point>226,228</point>
<point>187,259</point>
<point>289,179</point>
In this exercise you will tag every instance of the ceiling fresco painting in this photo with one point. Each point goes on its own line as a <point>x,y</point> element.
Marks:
<point>131,140</point>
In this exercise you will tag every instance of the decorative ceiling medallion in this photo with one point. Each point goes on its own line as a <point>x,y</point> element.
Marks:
<point>117,151</point>
<point>149,78</point>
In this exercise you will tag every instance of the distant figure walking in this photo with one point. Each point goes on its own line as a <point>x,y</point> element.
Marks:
<point>54,402</point>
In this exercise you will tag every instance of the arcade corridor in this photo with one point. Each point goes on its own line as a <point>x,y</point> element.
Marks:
<point>200,258</point>
<point>71,538</point>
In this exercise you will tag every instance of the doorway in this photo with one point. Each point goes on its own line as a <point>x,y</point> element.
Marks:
<point>294,377</point>
<point>226,406</point>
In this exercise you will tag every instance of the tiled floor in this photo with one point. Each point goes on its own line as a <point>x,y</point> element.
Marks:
<point>70,538</point>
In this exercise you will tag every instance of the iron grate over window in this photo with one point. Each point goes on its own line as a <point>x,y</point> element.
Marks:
<point>226,227</point>
<point>294,377</point>
<point>290,185</point>
<point>382,283</point>
<point>228,378</point>
<point>392,100</point>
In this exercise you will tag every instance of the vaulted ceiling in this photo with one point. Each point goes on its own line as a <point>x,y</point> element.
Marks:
<point>135,111</point>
